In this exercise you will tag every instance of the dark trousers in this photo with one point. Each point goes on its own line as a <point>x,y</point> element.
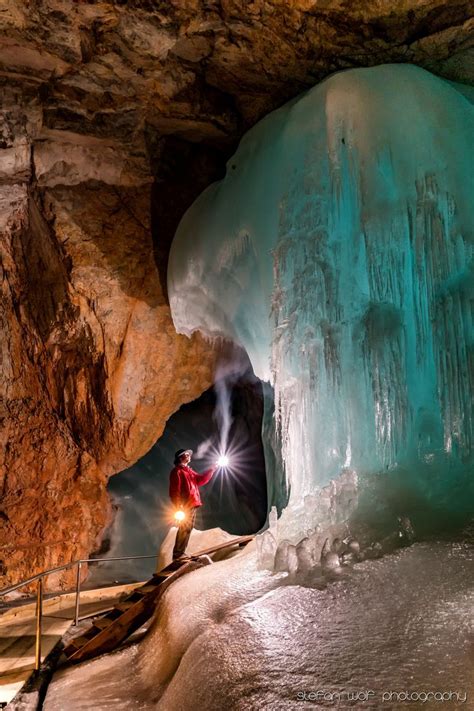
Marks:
<point>184,531</point>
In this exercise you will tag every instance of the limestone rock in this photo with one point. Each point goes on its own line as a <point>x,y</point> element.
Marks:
<point>91,364</point>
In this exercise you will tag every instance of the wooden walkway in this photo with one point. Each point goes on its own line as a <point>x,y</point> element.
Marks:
<point>18,632</point>
<point>108,632</point>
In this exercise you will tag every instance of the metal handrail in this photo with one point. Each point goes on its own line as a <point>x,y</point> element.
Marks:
<point>39,593</point>
<point>5,591</point>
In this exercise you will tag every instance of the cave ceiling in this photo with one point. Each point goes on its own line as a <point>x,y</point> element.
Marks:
<point>206,70</point>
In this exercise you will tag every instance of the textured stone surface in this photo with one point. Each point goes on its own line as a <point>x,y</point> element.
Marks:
<point>114,116</point>
<point>91,367</point>
<point>91,364</point>
<point>203,69</point>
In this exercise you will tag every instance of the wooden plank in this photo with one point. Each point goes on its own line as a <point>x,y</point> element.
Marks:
<point>103,622</point>
<point>123,606</point>
<point>79,641</point>
<point>147,589</point>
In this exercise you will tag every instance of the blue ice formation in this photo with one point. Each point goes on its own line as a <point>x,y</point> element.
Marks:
<point>338,251</point>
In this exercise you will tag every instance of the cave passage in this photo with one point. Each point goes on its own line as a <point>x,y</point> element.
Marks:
<point>234,500</point>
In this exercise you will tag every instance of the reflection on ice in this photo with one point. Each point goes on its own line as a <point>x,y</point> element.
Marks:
<point>234,637</point>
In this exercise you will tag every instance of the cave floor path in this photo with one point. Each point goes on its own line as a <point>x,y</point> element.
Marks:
<point>18,632</point>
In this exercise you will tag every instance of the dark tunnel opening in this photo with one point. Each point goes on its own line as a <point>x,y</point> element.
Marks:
<point>234,500</point>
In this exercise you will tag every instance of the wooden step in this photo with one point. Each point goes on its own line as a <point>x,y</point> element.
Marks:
<point>147,589</point>
<point>124,606</point>
<point>103,622</point>
<point>79,641</point>
<point>107,633</point>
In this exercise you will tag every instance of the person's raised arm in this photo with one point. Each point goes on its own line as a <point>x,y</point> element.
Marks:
<point>206,476</point>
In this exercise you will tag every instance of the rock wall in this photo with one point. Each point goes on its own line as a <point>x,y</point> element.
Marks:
<point>91,364</point>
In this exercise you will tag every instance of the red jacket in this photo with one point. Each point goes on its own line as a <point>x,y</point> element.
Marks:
<point>184,483</point>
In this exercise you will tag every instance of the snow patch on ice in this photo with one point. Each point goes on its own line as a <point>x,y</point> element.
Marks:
<point>199,540</point>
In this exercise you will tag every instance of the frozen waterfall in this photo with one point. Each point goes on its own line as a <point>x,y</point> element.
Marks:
<point>338,252</point>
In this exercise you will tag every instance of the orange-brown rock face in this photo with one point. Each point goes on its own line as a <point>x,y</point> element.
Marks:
<point>202,68</point>
<point>109,108</point>
<point>91,364</point>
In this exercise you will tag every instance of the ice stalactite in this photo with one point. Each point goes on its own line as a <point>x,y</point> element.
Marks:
<point>338,252</point>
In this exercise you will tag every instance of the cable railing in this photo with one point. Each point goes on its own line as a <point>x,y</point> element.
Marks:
<point>39,577</point>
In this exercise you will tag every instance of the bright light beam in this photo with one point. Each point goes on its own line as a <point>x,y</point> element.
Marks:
<point>223,461</point>
<point>179,516</point>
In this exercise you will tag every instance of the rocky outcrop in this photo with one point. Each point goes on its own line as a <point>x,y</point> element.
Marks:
<point>91,364</point>
<point>114,116</point>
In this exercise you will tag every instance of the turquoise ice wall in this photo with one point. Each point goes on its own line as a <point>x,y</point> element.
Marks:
<point>338,251</point>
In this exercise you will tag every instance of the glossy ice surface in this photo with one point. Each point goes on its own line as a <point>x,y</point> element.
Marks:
<point>230,637</point>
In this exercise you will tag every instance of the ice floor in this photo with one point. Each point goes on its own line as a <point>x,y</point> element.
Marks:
<point>232,637</point>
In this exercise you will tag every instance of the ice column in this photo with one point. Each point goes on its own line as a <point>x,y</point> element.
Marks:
<point>338,252</point>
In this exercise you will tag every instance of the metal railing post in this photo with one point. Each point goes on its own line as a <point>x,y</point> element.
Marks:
<point>78,592</point>
<point>39,616</point>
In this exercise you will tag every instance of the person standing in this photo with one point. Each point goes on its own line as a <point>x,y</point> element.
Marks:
<point>185,496</point>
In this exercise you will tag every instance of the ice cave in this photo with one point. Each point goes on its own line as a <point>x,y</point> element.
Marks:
<point>237,355</point>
